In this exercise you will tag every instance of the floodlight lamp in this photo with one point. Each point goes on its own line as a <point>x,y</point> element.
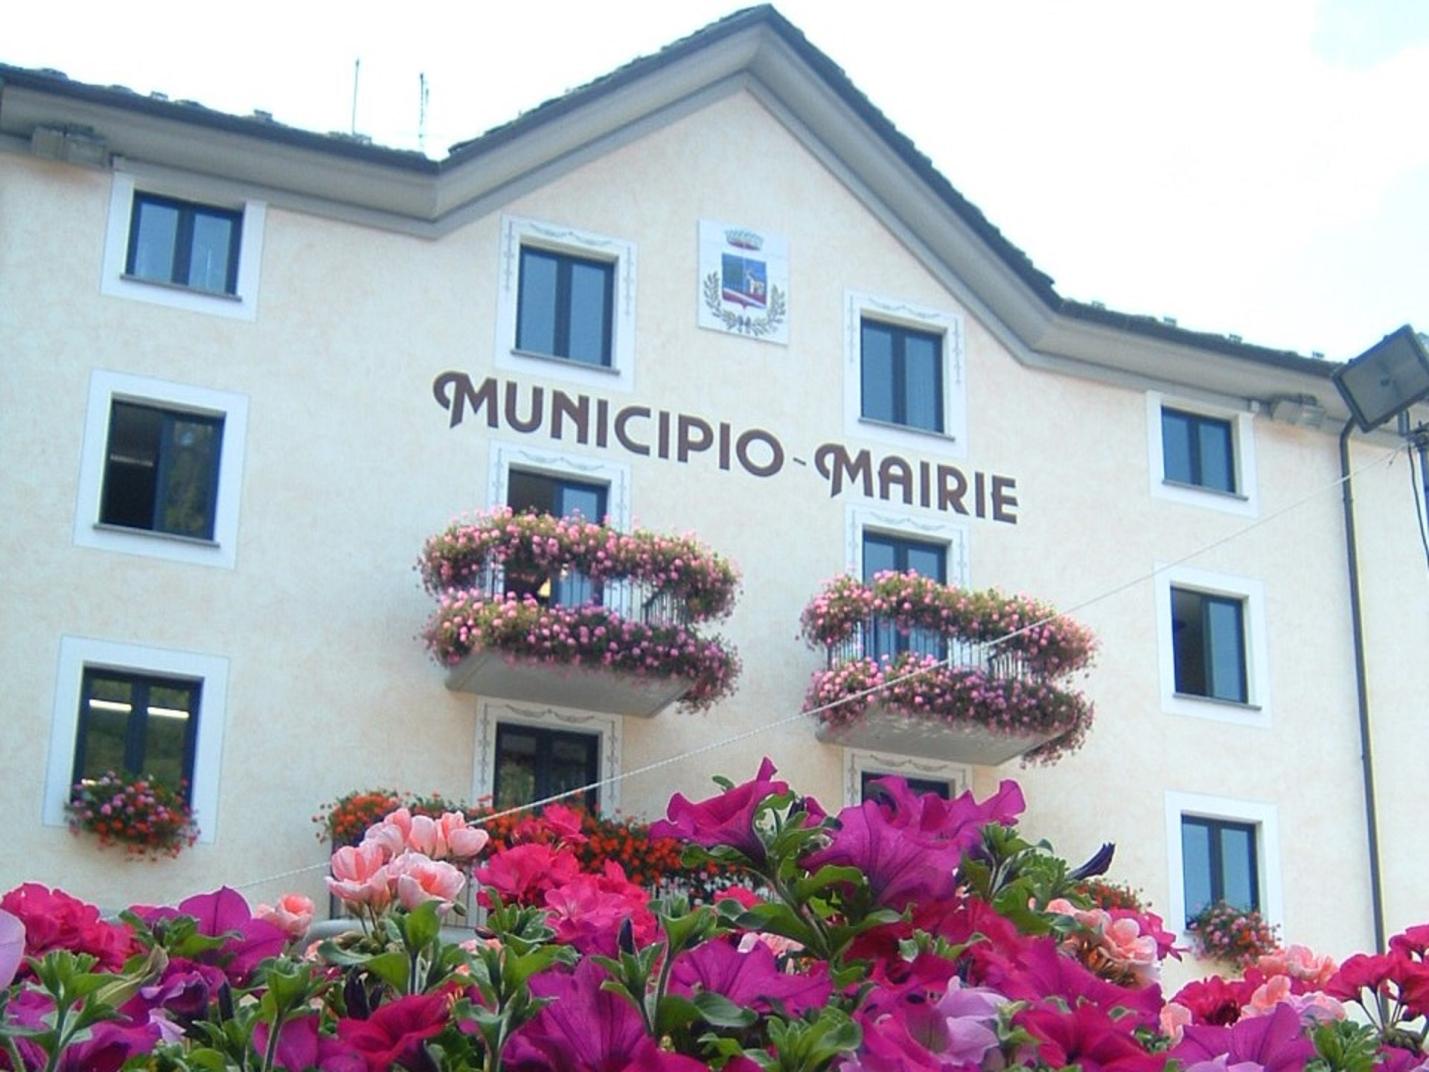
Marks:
<point>1386,379</point>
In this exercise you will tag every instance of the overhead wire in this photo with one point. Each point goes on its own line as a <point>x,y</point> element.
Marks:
<point>887,683</point>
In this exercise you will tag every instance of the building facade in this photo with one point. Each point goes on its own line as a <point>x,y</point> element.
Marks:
<point>250,370</point>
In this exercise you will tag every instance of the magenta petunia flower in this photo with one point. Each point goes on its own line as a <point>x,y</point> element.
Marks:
<point>1088,1037</point>
<point>726,819</point>
<point>900,865</point>
<point>750,979</point>
<point>396,1031</point>
<point>1276,1043</point>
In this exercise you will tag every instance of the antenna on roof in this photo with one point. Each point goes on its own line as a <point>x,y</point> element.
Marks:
<point>356,71</point>
<point>422,112</point>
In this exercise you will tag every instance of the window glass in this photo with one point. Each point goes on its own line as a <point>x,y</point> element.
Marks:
<point>902,375</point>
<point>1196,866</point>
<point>156,228</point>
<point>515,767</point>
<point>1237,864</point>
<point>1176,446</point>
<point>166,733</point>
<point>1197,450</point>
<point>590,310</point>
<point>878,372</point>
<point>534,763</point>
<point>923,375</point>
<point>213,242</point>
<point>536,316</point>
<point>161,470</point>
<point>1208,635</point>
<point>543,494</point>
<point>1217,466</point>
<point>139,724</point>
<point>1227,648</point>
<point>921,786</point>
<point>882,552</point>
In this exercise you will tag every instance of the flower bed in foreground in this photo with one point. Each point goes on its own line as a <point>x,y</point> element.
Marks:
<point>907,933</point>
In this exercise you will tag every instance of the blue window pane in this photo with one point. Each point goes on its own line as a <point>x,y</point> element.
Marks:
<point>590,328</point>
<point>922,355</point>
<point>878,372</point>
<point>1176,446</point>
<point>1196,866</point>
<point>190,463</point>
<point>1217,468</point>
<point>156,229</point>
<point>1226,643</point>
<point>927,561</point>
<point>878,557</point>
<point>584,499</point>
<point>1188,638</point>
<point>536,319</point>
<point>1238,867</point>
<point>213,239</point>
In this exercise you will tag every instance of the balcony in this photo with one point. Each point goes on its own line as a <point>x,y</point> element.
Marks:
<point>570,613</point>
<point>920,669</point>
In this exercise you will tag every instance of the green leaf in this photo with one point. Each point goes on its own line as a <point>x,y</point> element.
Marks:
<point>391,968</point>
<point>823,878</point>
<point>718,1011</point>
<point>421,926</point>
<point>674,1013</point>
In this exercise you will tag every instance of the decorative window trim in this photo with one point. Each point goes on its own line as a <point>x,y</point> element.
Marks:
<point>1255,712</point>
<point>517,231</point>
<point>240,305</point>
<point>952,440</point>
<point>79,653</point>
<point>1265,818</point>
<point>1243,503</point>
<point>104,388</point>
<point>864,518</point>
<point>489,713</point>
<point>505,456</point>
<point>858,762</point>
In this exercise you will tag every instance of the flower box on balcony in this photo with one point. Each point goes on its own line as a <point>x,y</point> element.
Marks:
<point>490,673</point>
<point>884,729</point>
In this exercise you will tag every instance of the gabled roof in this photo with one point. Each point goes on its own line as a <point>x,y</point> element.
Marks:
<point>755,49</point>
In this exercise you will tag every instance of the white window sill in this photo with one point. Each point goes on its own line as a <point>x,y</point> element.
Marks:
<point>192,541</point>
<point>908,429</point>
<point>565,362</point>
<point>1234,496</point>
<point>1235,705</point>
<point>220,295</point>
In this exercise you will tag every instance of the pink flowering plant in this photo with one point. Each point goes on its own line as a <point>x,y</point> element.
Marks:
<point>1238,936</point>
<point>145,816</point>
<point>907,933</point>
<point>486,573</point>
<point>1013,689</point>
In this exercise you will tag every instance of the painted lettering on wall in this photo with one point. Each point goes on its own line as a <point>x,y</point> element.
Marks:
<point>680,437</point>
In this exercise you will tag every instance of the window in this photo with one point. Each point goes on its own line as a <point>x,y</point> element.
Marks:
<point>137,723</point>
<point>882,552</point>
<point>1198,450</point>
<point>1218,863</point>
<point>147,710</point>
<point>1212,645</point>
<point>184,243</point>
<point>564,306</point>
<point>1201,455</point>
<point>566,298</point>
<point>560,497</point>
<point>161,470</point>
<point>924,775</point>
<point>534,763</point>
<point>1208,633</point>
<point>902,375</point>
<point>194,245</point>
<point>936,786</point>
<point>161,460</point>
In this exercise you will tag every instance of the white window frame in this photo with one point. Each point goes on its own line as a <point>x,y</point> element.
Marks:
<point>858,762</point>
<point>516,232</point>
<point>78,654</point>
<point>241,305</point>
<point>1264,816</point>
<point>1246,501</point>
<point>106,387</point>
<point>914,526</point>
<point>952,441</point>
<point>492,713</point>
<point>590,469</point>
<point>1255,712</point>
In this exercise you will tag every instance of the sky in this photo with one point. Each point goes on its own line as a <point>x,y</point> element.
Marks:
<point>1250,168</point>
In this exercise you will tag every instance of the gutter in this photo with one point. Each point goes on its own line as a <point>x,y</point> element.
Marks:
<point>1376,889</point>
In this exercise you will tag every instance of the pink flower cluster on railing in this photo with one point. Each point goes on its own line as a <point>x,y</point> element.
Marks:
<point>539,545</point>
<point>640,593</point>
<point>1007,688</point>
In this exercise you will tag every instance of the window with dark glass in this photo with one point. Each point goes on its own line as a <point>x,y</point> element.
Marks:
<point>917,785</point>
<point>534,763</point>
<point>902,375</point>
<point>564,306</point>
<point>1218,862</point>
<point>191,245</point>
<point>1198,450</point>
<point>1208,635</point>
<point>139,724</point>
<point>161,470</point>
<point>542,493</point>
<point>881,553</point>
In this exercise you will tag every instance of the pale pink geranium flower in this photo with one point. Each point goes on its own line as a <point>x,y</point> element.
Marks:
<point>1174,1018</point>
<point>421,879</point>
<point>360,876</point>
<point>463,842</point>
<point>12,947</point>
<point>1298,962</point>
<point>1126,945</point>
<point>293,914</point>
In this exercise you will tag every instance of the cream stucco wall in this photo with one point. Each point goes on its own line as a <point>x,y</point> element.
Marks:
<point>350,464</point>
